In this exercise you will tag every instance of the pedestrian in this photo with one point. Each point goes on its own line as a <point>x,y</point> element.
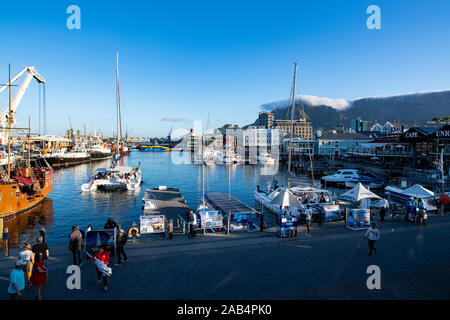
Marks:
<point>121,239</point>
<point>40,275</point>
<point>41,247</point>
<point>384,205</point>
<point>372,234</point>
<point>27,256</point>
<point>75,244</point>
<point>192,223</point>
<point>16,281</point>
<point>110,224</point>
<point>308,213</point>
<point>102,255</point>
<point>422,210</point>
<point>170,229</point>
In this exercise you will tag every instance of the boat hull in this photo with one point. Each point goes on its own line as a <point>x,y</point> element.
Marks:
<point>14,201</point>
<point>66,162</point>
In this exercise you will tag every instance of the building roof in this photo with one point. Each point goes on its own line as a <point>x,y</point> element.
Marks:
<point>344,136</point>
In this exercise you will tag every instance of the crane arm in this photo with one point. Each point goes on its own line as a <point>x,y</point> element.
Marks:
<point>31,73</point>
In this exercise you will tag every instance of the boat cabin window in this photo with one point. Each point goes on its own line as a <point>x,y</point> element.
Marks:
<point>347,172</point>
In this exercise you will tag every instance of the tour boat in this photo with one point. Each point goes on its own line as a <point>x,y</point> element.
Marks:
<point>62,157</point>
<point>100,152</point>
<point>114,178</point>
<point>351,177</point>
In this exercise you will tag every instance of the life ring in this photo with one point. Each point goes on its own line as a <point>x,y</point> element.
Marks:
<point>130,232</point>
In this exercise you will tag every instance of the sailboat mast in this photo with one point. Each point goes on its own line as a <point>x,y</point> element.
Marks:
<point>117,101</point>
<point>292,120</point>
<point>9,125</point>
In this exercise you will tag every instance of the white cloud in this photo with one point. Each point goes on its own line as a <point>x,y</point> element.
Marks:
<point>338,104</point>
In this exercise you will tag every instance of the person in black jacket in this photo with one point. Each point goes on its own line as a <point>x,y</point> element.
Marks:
<point>110,224</point>
<point>121,239</point>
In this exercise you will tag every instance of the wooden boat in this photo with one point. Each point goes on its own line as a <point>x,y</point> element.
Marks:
<point>25,189</point>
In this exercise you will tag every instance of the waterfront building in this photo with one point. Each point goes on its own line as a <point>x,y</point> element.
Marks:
<point>50,143</point>
<point>300,147</point>
<point>301,128</point>
<point>265,120</point>
<point>338,144</point>
<point>358,125</point>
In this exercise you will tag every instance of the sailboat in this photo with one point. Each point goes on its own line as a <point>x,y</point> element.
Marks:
<point>116,177</point>
<point>305,194</point>
<point>29,182</point>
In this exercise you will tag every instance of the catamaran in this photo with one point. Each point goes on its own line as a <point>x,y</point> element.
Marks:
<point>293,198</point>
<point>116,177</point>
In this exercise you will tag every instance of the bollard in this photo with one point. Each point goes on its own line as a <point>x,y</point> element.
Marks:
<point>5,240</point>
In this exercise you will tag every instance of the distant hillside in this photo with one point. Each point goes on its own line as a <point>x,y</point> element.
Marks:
<point>413,109</point>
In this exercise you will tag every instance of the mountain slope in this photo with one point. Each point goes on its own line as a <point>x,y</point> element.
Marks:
<point>413,109</point>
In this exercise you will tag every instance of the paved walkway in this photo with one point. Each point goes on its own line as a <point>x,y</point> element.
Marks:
<point>415,263</point>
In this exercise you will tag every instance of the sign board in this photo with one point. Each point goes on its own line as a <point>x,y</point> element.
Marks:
<point>97,238</point>
<point>332,212</point>
<point>285,225</point>
<point>152,224</point>
<point>358,219</point>
<point>211,219</point>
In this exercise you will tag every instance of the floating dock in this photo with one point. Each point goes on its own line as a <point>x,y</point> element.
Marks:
<point>168,201</point>
<point>228,204</point>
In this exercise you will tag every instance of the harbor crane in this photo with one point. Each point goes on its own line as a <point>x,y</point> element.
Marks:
<point>7,116</point>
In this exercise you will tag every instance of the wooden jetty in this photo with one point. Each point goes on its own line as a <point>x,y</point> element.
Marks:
<point>169,202</point>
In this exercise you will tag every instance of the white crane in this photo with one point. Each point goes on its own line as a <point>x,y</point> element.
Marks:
<point>4,115</point>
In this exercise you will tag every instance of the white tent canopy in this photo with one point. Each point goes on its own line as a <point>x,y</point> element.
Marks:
<point>359,192</point>
<point>286,199</point>
<point>417,191</point>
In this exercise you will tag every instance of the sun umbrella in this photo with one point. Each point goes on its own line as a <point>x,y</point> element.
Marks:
<point>286,199</point>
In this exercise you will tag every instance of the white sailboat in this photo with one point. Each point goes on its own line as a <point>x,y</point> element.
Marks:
<point>315,197</point>
<point>116,177</point>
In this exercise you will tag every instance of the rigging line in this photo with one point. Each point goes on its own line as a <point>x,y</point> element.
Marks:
<point>39,91</point>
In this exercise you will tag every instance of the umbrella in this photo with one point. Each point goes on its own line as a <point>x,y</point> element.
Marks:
<point>286,199</point>
<point>374,158</point>
<point>359,192</point>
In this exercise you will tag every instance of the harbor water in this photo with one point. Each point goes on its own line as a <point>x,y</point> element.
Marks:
<point>67,205</point>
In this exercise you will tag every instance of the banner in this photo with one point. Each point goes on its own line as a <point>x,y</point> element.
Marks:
<point>152,224</point>
<point>358,219</point>
<point>211,219</point>
<point>332,212</point>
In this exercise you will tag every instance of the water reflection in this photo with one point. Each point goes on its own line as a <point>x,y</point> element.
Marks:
<point>70,206</point>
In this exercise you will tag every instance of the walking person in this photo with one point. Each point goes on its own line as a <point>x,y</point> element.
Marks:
<point>192,223</point>
<point>16,281</point>
<point>121,239</point>
<point>41,247</point>
<point>384,206</point>
<point>421,216</point>
<point>75,244</point>
<point>102,255</point>
<point>372,234</point>
<point>308,213</point>
<point>27,256</point>
<point>40,275</point>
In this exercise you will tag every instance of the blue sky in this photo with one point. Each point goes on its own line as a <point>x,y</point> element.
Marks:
<point>183,59</point>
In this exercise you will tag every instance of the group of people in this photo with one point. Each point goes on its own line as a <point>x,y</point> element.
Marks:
<point>416,211</point>
<point>102,256</point>
<point>283,213</point>
<point>29,270</point>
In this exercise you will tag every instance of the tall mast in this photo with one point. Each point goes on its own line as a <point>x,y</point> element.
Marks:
<point>292,120</point>
<point>117,100</point>
<point>9,124</point>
